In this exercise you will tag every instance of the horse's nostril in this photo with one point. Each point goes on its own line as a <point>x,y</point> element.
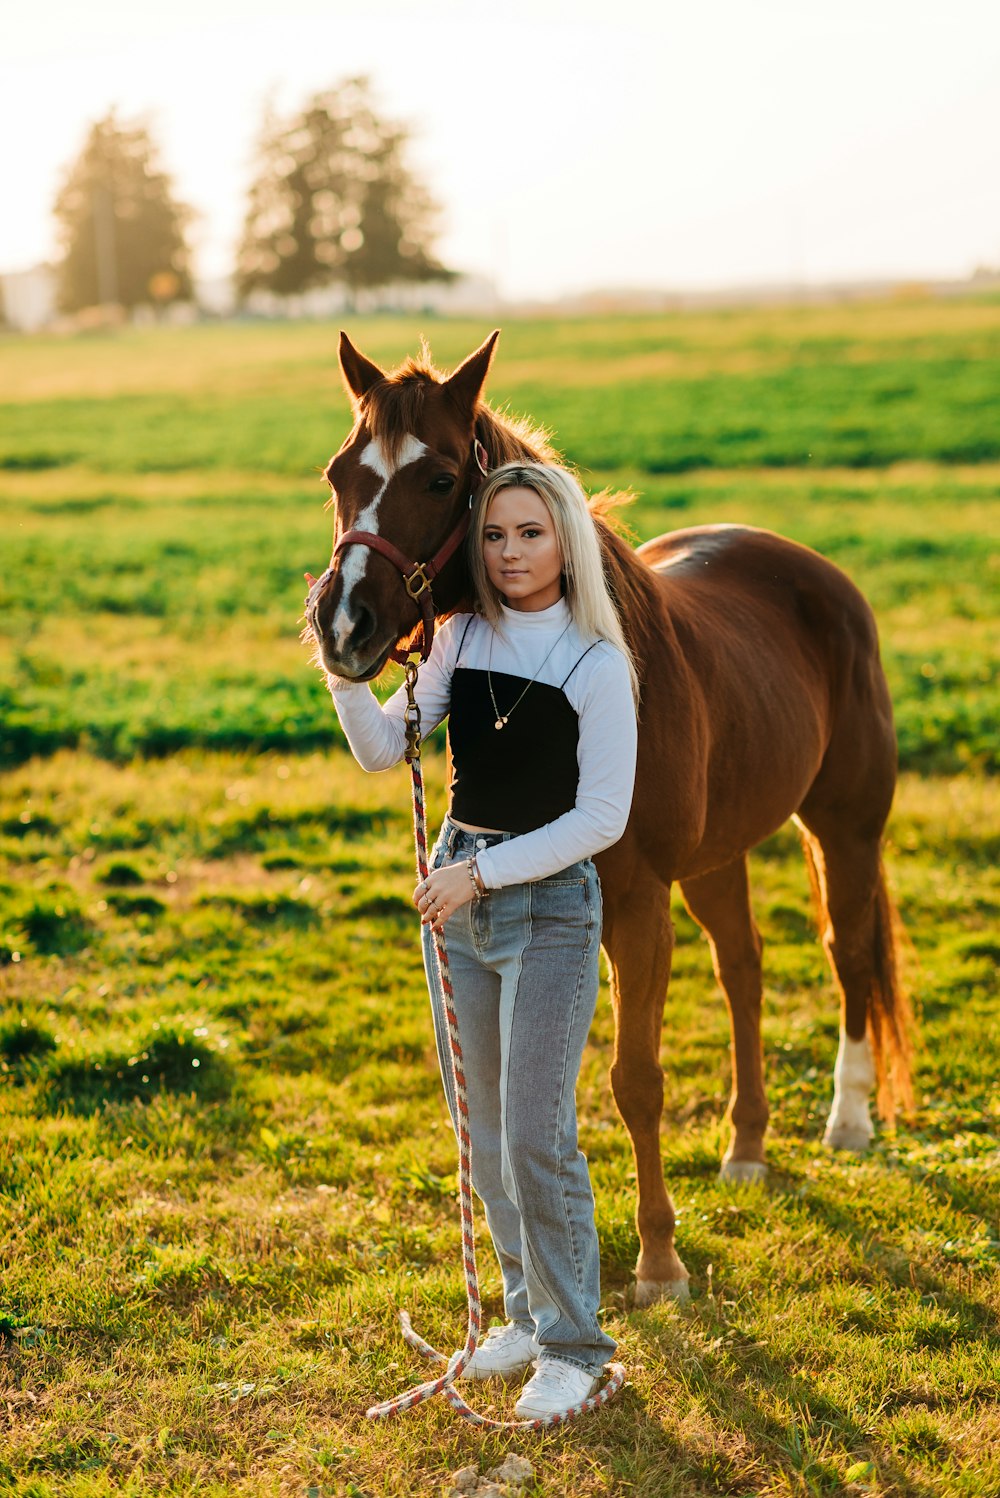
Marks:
<point>364,627</point>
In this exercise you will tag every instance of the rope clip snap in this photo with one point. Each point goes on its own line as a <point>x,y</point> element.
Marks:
<point>411,713</point>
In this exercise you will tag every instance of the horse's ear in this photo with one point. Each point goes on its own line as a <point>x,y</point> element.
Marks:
<point>470,377</point>
<point>360,374</point>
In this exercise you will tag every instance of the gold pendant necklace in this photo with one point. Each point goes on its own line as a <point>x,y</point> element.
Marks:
<point>502,718</point>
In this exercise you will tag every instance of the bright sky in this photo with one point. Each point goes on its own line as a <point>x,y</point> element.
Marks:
<point>571,143</point>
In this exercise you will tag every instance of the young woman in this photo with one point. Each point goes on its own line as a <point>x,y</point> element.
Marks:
<point>539,688</point>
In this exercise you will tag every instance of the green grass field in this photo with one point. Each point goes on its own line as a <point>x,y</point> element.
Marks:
<point>225,1161</point>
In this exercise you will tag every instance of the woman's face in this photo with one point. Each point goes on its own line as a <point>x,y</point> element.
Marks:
<point>521,551</point>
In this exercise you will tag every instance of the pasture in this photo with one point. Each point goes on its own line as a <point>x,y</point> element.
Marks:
<point>225,1160</point>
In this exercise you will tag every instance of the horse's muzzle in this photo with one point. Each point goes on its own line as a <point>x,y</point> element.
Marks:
<point>346,641</point>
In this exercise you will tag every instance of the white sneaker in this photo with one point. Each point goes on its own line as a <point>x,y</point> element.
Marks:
<point>504,1349</point>
<point>555,1389</point>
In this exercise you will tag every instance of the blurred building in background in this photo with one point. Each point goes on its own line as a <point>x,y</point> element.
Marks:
<point>28,298</point>
<point>29,303</point>
<point>456,298</point>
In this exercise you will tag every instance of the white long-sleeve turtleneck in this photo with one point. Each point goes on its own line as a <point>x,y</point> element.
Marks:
<point>598,690</point>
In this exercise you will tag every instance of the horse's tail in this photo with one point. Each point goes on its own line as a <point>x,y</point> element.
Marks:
<point>889,1013</point>
<point>890,1017</point>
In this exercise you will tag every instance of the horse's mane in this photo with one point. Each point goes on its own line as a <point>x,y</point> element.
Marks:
<point>513,439</point>
<point>393,409</point>
<point>630,581</point>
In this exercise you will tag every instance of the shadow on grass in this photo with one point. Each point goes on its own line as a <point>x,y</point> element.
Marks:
<point>975,1319</point>
<point>24,1049</point>
<point>814,1450</point>
<point>742,1446</point>
<point>253,833</point>
<point>173,1060</point>
<point>263,909</point>
<point>977,1200</point>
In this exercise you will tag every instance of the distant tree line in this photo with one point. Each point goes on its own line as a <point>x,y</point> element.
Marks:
<point>332,202</point>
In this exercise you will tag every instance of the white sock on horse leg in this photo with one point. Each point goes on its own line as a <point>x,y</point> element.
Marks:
<point>849,1125</point>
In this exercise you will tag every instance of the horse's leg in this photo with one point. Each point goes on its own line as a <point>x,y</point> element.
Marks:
<point>720,903</point>
<point>856,927</point>
<point>639,939</point>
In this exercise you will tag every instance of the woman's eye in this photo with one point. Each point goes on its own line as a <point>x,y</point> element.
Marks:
<point>443,484</point>
<point>492,536</point>
<point>530,535</point>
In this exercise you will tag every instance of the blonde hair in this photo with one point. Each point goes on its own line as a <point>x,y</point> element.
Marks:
<point>586,588</point>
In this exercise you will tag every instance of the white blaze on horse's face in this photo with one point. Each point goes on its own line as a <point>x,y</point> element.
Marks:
<point>354,559</point>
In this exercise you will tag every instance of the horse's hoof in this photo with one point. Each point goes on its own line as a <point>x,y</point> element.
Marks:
<point>650,1292</point>
<point>743,1170</point>
<point>848,1137</point>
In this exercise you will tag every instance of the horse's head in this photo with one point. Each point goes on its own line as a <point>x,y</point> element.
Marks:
<point>402,481</point>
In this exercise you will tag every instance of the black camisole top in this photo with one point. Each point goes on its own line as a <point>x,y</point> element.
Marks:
<point>523,775</point>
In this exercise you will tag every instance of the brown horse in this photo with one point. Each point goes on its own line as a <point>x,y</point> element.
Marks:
<point>763,698</point>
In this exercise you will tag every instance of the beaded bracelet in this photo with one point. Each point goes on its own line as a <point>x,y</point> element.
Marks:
<point>476,877</point>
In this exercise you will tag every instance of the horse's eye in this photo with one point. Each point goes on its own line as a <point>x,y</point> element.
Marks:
<point>442,484</point>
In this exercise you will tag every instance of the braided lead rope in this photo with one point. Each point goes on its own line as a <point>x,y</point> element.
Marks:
<point>455,1399</point>
<point>458,1363</point>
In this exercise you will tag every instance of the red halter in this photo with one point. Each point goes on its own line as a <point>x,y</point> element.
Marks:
<point>418,576</point>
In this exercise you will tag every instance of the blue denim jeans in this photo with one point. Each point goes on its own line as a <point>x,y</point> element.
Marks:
<point>524,968</point>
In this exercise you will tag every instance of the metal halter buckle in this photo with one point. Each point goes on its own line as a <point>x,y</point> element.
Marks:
<point>418,576</point>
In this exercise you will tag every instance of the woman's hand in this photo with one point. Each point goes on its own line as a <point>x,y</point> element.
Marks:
<point>443,892</point>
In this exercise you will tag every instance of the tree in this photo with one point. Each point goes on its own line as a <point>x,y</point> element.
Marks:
<point>122,232</point>
<point>334,201</point>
